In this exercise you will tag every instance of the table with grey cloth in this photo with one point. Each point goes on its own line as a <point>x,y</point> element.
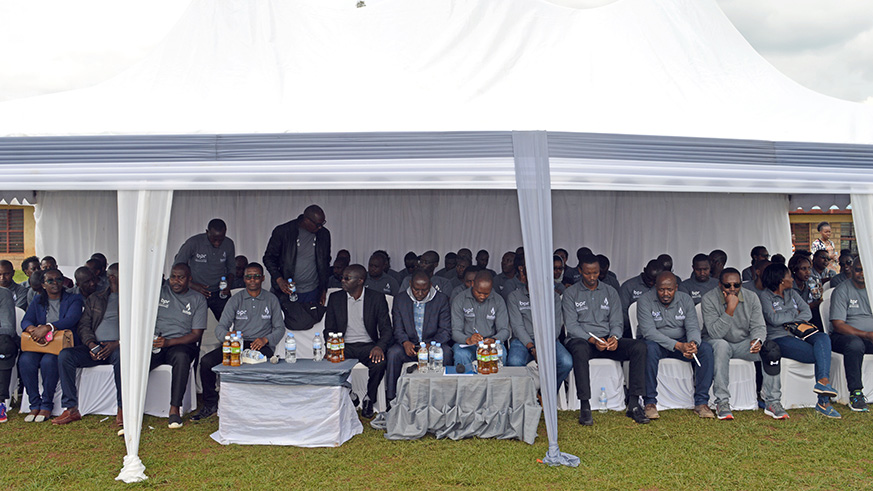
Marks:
<point>305,404</point>
<point>503,405</point>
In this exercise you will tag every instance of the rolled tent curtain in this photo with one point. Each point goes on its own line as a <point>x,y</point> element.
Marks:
<point>533,182</point>
<point>143,224</point>
<point>862,216</point>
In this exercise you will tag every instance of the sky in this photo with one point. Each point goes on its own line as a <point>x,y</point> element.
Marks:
<point>55,45</point>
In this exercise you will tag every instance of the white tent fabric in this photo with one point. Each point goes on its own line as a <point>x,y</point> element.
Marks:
<point>143,222</point>
<point>628,227</point>
<point>671,67</point>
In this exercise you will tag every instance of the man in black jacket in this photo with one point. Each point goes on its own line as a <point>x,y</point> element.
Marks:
<point>435,325</point>
<point>299,251</point>
<point>361,316</point>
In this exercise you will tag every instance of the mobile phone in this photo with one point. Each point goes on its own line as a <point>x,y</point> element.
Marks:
<point>96,349</point>
<point>49,336</point>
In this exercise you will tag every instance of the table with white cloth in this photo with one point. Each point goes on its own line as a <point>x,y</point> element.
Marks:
<point>305,404</point>
<point>502,405</point>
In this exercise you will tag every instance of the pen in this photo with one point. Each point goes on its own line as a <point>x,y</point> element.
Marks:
<point>596,338</point>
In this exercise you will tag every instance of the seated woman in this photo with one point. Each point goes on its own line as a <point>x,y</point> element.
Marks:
<point>781,304</point>
<point>808,287</point>
<point>51,310</point>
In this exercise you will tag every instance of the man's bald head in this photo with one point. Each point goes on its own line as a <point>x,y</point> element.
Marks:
<point>86,280</point>
<point>666,285</point>
<point>666,278</point>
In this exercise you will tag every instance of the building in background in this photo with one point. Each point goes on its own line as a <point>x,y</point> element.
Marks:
<point>804,227</point>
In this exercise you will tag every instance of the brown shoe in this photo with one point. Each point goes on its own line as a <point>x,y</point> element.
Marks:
<point>67,416</point>
<point>119,419</point>
<point>652,411</point>
<point>703,411</point>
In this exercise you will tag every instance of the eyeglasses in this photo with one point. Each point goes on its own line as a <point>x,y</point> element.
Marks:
<point>317,225</point>
<point>52,281</point>
<point>731,285</point>
<point>350,278</point>
<point>253,276</point>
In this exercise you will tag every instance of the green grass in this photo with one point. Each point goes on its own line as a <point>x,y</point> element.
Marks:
<point>678,451</point>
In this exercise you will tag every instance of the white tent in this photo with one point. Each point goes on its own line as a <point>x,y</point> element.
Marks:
<point>664,99</point>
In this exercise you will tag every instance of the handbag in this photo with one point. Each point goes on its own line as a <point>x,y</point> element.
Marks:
<point>801,330</point>
<point>63,339</point>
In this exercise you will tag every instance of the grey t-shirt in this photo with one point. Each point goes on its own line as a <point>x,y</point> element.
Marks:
<point>488,318</point>
<point>386,284</point>
<point>19,295</point>
<point>208,264</point>
<point>178,315</point>
<point>695,289</point>
<point>305,271</point>
<point>595,311</point>
<point>851,305</point>
<point>521,319</point>
<point>257,317</point>
<point>629,292</point>
<point>108,328</point>
<point>54,311</point>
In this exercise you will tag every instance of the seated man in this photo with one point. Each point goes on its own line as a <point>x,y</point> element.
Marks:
<point>98,330</point>
<point>469,276</point>
<point>29,266</point>
<point>461,267</point>
<point>240,262</point>
<point>179,326</point>
<point>19,293</point>
<point>361,316</point>
<point>478,314</point>
<point>592,319</point>
<point>209,257</point>
<point>482,258</point>
<point>717,260</point>
<point>336,272</point>
<point>668,324</point>
<point>427,263</point>
<point>523,348</point>
<point>505,279</point>
<point>97,265</point>
<point>451,262</point>
<point>9,343</point>
<point>853,331</point>
<point>377,277</point>
<point>700,282</point>
<point>758,253</point>
<point>845,273</point>
<point>258,315</point>
<point>635,287</point>
<point>756,285</point>
<point>733,324</point>
<point>606,275</point>
<point>421,314</point>
<point>86,282</point>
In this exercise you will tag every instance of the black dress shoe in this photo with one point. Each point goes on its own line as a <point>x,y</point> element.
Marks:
<point>205,412</point>
<point>355,400</point>
<point>638,415</point>
<point>367,409</point>
<point>585,418</point>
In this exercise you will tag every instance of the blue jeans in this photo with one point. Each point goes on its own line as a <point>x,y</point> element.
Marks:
<point>467,355</point>
<point>79,357</point>
<point>519,356</point>
<point>702,374</point>
<point>30,365</point>
<point>816,349</point>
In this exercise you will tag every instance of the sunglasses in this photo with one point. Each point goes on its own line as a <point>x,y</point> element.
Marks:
<point>52,281</point>
<point>253,276</point>
<point>731,285</point>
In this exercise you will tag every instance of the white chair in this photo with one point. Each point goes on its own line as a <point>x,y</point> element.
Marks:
<point>838,368</point>
<point>741,380</point>
<point>675,377</point>
<point>797,381</point>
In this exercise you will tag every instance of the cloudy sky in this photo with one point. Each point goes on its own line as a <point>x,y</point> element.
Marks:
<point>53,45</point>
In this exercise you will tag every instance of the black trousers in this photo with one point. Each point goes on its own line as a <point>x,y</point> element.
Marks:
<point>216,304</point>
<point>208,377</point>
<point>179,357</point>
<point>633,350</point>
<point>361,351</point>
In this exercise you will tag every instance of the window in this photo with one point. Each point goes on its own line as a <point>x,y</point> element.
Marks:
<point>847,237</point>
<point>11,231</point>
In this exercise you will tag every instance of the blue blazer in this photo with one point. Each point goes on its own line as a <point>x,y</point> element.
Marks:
<point>70,312</point>
<point>437,320</point>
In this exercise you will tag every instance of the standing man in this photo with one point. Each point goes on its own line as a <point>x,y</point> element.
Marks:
<point>592,319</point>
<point>361,316</point>
<point>210,256</point>
<point>179,326</point>
<point>733,324</point>
<point>478,315</point>
<point>19,292</point>
<point>421,315</point>
<point>254,312</point>
<point>668,324</point>
<point>635,287</point>
<point>98,330</point>
<point>700,282</point>
<point>299,250</point>
<point>523,348</point>
<point>853,331</point>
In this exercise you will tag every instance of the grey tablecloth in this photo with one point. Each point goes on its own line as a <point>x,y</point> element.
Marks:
<point>304,372</point>
<point>488,406</point>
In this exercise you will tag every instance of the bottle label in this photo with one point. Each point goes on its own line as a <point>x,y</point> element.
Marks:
<point>225,349</point>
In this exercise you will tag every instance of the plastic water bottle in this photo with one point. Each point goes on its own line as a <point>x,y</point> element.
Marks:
<point>430,350</point>
<point>499,354</point>
<point>317,348</point>
<point>603,400</point>
<point>293,286</point>
<point>438,358</point>
<point>222,286</point>
<point>290,348</point>
<point>422,358</point>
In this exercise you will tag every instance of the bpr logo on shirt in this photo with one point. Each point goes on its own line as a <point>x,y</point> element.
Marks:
<point>853,303</point>
<point>164,303</point>
<point>199,258</point>
<point>580,306</point>
<point>637,293</point>
<point>242,314</point>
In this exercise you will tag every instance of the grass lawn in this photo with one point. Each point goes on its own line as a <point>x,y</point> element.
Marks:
<point>678,451</point>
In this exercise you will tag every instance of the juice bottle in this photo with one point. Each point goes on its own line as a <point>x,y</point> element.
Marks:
<point>225,351</point>
<point>235,351</point>
<point>485,360</point>
<point>493,357</point>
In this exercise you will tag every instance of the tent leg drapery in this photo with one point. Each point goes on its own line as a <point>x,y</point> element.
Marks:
<point>143,226</point>
<point>862,216</point>
<point>532,178</point>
